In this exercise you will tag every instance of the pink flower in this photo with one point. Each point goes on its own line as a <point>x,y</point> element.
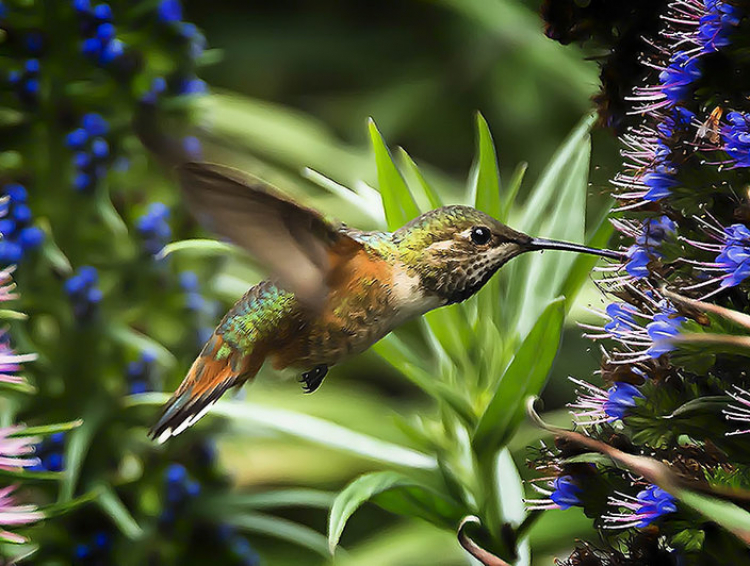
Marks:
<point>10,362</point>
<point>12,514</point>
<point>15,450</point>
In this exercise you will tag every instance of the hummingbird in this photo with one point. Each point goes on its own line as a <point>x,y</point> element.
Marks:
<point>334,290</point>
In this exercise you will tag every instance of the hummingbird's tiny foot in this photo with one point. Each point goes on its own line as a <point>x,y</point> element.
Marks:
<point>312,379</point>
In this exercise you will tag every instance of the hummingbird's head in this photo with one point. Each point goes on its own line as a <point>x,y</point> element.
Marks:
<point>456,249</point>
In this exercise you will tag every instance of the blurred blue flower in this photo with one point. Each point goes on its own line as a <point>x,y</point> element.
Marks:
<point>34,42</point>
<point>83,292</point>
<point>140,374</point>
<point>169,11</point>
<point>154,228</point>
<point>95,124</point>
<point>103,12</point>
<point>193,147</point>
<point>192,86</point>
<point>50,452</point>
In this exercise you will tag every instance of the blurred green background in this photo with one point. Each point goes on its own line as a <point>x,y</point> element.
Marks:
<point>310,74</point>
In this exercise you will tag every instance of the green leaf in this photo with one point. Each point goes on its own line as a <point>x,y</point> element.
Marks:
<point>583,263</point>
<point>429,194</point>
<point>730,516</point>
<point>484,187</point>
<point>57,509</point>
<point>295,497</point>
<point>116,510</point>
<point>197,246</point>
<point>554,209</point>
<point>511,191</point>
<point>9,314</point>
<point>484,192</point>
<point>142,343</point>
<point>257,417</point>
<point>282,529</point>
<point>398,201</point>
<point>50,428</point>
<point>395,492</point>
<point>77,446</point>
<point>525,376</point>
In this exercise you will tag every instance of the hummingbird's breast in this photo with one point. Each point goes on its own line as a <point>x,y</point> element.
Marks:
<point>373,294</point>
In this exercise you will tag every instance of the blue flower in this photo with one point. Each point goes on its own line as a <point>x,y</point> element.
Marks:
<point>660,181</point>
<point>653,233</point>
<point>34,42</point>
<point>83,292</point>
<point>620,397</point>
<point>140,374</point>
<point>154,228</point>
<point>717,24</point>
<point>77,139</point>
<point>679,76</point>
<point>192,86</point>
<point>169,11</point>
<point>734,257</point>
<point>642,510</point>
<point>95,124</point>
<point>193,147</point>
<point>664,326</point>
<point>737,138</point>
<point>51,454</point>
<point>621,319</point>
<point>566,491</point>
<point>103,12</point>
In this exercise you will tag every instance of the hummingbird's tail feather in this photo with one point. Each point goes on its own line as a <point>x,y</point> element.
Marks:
<point>211,374</point>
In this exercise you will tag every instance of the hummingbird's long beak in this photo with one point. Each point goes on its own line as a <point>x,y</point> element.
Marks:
<point>542,244</point>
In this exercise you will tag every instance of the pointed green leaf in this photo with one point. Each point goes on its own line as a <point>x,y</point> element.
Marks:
<point>116,510</point>
<point>199,247</point>
<point>142,343</point>
<point>395,492</point>
<point>525,376</point>
<point>397,199</point>
<point>282,529</point>
<point>484,191</point>
<point>484,186</point>
<point>77,447</point>
<point>255,417</point>
<point>511,191</point>
<point>429,194</point>
<point>50,428</point>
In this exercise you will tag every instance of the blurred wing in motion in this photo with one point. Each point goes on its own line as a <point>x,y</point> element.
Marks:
<point>297,244</point>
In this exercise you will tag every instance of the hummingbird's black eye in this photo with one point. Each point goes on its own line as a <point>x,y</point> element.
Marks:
<point>480,235</point>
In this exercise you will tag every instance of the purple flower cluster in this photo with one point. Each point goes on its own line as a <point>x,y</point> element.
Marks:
<point>91,149</point>
<point>100,43</point>
<point>19,236</point>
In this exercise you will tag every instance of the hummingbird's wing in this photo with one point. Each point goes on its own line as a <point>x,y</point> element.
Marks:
<point>297,244</point>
